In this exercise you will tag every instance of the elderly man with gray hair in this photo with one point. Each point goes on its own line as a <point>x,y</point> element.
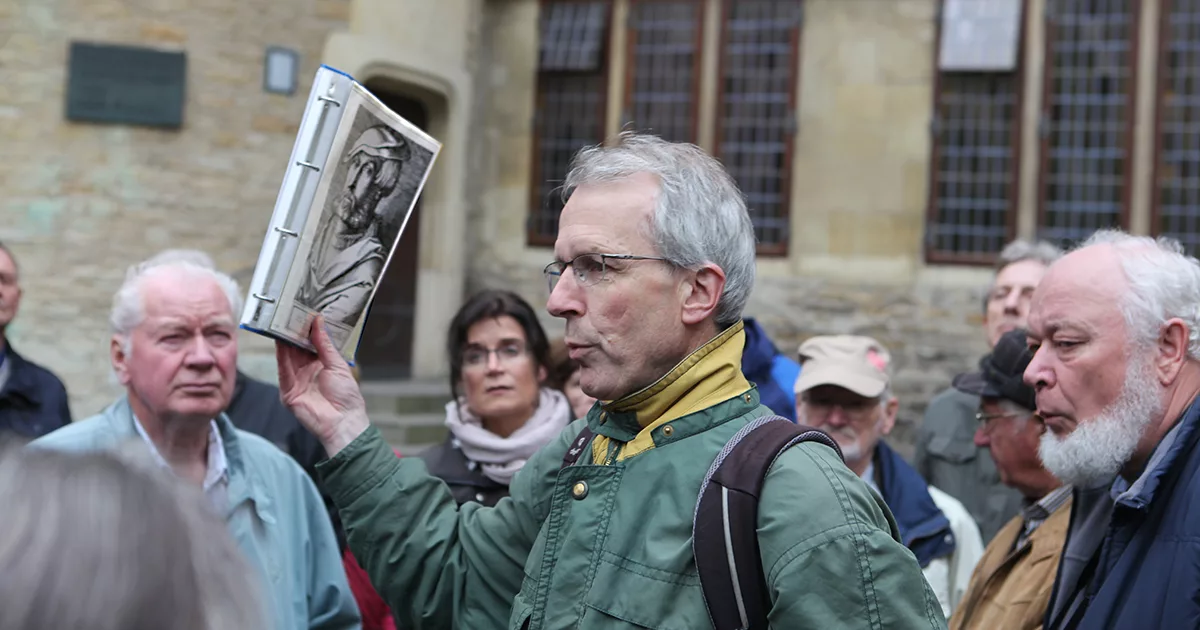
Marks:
<point>174,349</point>
<point>652,267</point>
<point>946,454</point>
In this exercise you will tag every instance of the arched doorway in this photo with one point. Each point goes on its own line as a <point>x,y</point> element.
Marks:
<point>386,350</point>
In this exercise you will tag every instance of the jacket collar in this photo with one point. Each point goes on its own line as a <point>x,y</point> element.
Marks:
<point>1179,439</point>
<point>760,353</point>
<point>709,376</point>
<point>923,527</point>
<point>245,483</point>
<point>21,380</point>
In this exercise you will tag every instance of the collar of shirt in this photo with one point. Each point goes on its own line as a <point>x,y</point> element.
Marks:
<point>218,467</point>
<point>868,476</point>
<point>1122,491</point>
<point>1041,509</point>
<point>1036,513</point>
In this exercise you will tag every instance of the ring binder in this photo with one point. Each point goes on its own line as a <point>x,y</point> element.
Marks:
<point>313,261</point>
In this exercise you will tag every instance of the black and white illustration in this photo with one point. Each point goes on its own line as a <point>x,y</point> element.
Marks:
<point>353,177</point>
<point>370,193</point>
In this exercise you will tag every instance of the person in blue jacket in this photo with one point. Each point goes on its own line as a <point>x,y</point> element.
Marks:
<point>773,372</point>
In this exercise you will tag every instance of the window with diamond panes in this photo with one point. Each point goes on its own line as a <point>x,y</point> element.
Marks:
<point>1087,148</point>
<point>975,140</point>
<point>663,67</point>
<point>1177,202</point>
<point>755,117</point>
<point>571,95</point>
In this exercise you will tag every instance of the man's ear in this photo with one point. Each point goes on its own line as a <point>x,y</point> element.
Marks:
<point>119,358</point>
<point>890,409</point>
<point>1171,350</point>
<point>702,293</point>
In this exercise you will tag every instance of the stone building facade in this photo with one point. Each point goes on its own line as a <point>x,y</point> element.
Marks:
<point>882,180</point>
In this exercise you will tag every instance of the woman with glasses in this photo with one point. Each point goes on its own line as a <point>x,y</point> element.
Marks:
<point>502,412</point>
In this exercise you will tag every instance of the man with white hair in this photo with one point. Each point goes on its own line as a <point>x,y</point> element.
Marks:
<point>174,349</point>
<point>845,390</point>
<point>652,267</point>
<point>1115,330</point>
<point>946,455</point>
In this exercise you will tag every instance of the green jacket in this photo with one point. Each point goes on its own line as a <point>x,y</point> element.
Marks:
<point>608,544</point>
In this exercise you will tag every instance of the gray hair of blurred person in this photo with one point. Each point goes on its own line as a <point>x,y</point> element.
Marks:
<point>127,307</point>
<point>1164,283</point>
<point>700,216</point>
<point>1021,250</point>
<point>109,541</point>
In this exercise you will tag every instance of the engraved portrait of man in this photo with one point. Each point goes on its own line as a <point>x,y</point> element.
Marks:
<point>347,256</point>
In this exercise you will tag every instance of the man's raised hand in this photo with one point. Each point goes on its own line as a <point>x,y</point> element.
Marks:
<point>320,389</point>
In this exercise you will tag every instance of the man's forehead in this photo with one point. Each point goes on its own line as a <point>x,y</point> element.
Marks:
<point>169,320</point>
<point>1024,273</point>
<point>1072,307</point>
<point>606,217</point>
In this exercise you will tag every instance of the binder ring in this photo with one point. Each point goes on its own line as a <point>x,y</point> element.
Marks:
<point>264,298</point>
<point>286,232</point>
<point>308,165</point>
<point>328,100</point>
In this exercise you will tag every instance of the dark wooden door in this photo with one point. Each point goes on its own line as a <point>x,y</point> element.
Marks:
<point>385,351</point>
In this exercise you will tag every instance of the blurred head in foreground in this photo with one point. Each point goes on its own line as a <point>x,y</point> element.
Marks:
<point>105,541</point>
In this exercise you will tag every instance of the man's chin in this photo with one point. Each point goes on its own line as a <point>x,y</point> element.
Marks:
<point>199,409</point>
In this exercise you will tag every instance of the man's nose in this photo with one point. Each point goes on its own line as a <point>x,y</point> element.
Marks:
<point>1038,374</point>
<point>199,353</point>
<point>981,437</point>
<point>565,298</point>
<point>836,416</point>
<point>1012,301</point>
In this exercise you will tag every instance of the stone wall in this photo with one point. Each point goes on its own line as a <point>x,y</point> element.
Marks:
<point>859,188</point>
<point>80,202</point>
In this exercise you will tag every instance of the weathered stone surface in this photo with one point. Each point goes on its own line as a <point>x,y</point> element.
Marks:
<point>81,202</point>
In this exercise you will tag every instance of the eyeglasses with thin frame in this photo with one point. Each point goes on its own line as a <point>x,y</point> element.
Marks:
<point>476,357</point>
<point>855,410</point>
<point>589,269</point>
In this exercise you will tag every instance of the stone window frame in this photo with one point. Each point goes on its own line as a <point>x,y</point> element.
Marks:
<point>1066,225</point>
<point>1178,219</point>
<point>945,239</point>
<point>543,211</point>
<point>545,199</point>
<point>772,226</point>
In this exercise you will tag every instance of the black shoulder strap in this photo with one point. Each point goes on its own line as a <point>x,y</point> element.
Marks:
<point>725,526</point>
<point>578,446</point>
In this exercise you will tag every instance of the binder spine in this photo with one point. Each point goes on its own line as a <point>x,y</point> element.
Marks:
<point>301,178</point>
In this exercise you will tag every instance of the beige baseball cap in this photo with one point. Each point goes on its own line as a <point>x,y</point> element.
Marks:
<point>856,363</point>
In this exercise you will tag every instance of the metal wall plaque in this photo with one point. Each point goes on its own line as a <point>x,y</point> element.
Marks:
<point>980,35</point>
<point>126,84</point>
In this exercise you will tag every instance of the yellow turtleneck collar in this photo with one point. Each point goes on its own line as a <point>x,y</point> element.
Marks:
<point>710,375</point>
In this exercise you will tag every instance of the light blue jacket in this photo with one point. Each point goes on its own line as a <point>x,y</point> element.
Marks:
<point>274,512</point>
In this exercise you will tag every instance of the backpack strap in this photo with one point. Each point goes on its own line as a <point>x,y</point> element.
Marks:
<point>725,525</point>
<point>578,446</point>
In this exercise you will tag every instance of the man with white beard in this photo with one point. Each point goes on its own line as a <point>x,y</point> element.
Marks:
<point>1115,330</point>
